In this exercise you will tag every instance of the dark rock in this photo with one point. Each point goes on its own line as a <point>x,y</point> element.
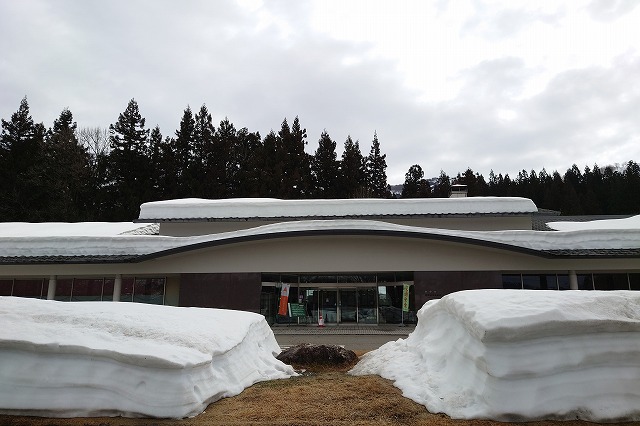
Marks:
<point>309,355</point>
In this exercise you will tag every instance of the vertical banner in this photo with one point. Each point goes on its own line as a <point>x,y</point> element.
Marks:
<point>405,297</point>
<point>284,299</point>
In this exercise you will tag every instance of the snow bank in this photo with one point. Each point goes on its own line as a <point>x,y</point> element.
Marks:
<point>67,359</point>
<point>196,208</point>
<point>626,223</point>
<point>517,355</point>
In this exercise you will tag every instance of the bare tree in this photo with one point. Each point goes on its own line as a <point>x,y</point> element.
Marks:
<point>95,139</point>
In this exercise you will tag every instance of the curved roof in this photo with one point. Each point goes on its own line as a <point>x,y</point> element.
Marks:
<point>269,208</point>
<point>137,248</point>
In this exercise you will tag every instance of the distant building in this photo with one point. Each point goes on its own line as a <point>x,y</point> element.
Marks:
<point>348,260</point>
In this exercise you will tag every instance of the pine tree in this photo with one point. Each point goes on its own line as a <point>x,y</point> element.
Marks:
<point>376,171</point>
<point>184,154</point>
<point>324,168</point>
<point>130,168</point>
<point>442,187</point>
<point>415,186</point>
<point>296,170</point>
<point>352,170</point>
<point>24,194</point>
<point>68,168</point>
<point>244,164</point>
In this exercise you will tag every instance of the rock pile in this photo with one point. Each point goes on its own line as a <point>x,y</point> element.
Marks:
<point>307,355</point>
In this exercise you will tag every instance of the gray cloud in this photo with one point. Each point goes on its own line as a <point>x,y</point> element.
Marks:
<point>94,56</point>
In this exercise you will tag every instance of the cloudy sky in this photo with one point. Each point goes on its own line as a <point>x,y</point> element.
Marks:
<point>503,85</point>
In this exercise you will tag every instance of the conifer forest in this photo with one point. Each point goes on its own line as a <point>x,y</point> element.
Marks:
<point>68,173</point>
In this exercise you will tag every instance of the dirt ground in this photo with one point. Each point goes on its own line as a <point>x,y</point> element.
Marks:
<point>321,398</point>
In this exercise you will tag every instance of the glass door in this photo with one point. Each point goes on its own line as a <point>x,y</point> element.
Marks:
<point>348,306</point>
<point>367,306</point>
<point>328,305</point>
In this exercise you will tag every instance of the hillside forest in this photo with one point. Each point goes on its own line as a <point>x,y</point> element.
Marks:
<point>67,173</point>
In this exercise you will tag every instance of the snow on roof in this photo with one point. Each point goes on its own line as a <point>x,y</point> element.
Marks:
<point>246,208</point>
<point>149,244</point>
<point>128,359</point>
<point>518,355</point>
<point>67,229</point>
<point>626,223</point>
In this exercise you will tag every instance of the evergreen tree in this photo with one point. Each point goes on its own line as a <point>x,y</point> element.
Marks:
<point>442,187</point>
<point>324,168</point>
<point>376,171</point>
<point>245,170</point>
<point>130,169</point>
<point>23,184</point>
<point>296,170</point>
<point>271,163</point>
<point>415,186</point>
<point>69,172</point>
<point>184,154</point>
<point>352,171</point>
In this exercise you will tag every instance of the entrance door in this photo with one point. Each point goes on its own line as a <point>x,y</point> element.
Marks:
<point>328,304</point>
<point>348,306</point>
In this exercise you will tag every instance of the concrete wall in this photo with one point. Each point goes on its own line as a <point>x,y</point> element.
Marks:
<point>228,291</point>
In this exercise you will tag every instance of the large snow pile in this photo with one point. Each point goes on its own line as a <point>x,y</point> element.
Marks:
<point>517,355</point>
<point>66,359</point>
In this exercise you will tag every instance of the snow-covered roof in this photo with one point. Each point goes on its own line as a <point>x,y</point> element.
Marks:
<point>270,208</point>
<point>68,229</point>
<point>139,247</point>
<point>626,223</point>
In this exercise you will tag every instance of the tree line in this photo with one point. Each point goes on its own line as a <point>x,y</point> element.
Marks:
<point>594,191</point>
<point>66,173</point>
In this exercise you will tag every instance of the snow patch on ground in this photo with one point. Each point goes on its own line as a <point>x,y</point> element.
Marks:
<point>518,355</point>
<point>78,359</point>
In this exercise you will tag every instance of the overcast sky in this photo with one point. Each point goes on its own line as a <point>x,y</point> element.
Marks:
<point>503,85</point>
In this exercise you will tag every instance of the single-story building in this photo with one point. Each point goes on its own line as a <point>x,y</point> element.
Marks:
<point>347,260</point>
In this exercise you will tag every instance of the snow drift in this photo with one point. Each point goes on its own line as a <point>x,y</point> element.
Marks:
<point>517,355</point>
<point>72,359</point>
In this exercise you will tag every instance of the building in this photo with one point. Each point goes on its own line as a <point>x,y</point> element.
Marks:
<point>348,260</point>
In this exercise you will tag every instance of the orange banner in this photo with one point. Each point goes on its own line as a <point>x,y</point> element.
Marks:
<point>284,300</point>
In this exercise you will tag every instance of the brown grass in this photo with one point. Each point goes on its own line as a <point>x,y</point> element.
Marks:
<point>314,398</point>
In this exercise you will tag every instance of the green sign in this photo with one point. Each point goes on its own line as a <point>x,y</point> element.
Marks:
<point>297,310</point>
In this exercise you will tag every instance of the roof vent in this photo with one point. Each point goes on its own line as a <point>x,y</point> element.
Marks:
<point>458,191</point>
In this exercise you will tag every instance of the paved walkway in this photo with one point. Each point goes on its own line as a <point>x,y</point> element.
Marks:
<point>387,329</point>
<point>355,338</point>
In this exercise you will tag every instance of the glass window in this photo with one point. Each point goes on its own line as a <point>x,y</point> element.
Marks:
<point>107,289</point>
<point>367,306</point>
<point>63,289</point>
<point>634,281</point>
<point>126,291</point>
<point>585,282</point>
<point>563,282</point>
<point>149,290</point>
<point>86,290</point>
<point>512,281</point>
<point>610,282</point>
<point>6,286</point>
<point>28,288</point>
<point>531,282</point>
